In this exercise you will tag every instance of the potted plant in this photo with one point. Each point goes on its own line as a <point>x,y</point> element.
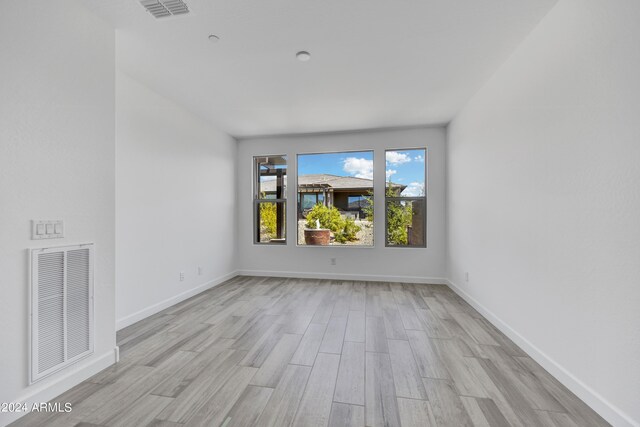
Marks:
<point>323,221</point>
<point>317,236</point>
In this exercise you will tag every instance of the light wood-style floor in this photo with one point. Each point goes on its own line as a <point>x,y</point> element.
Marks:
<point>279,352</point>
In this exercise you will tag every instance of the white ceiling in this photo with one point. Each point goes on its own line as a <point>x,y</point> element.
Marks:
<point>375,63</point>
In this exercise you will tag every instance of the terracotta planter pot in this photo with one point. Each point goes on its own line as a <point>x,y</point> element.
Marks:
<point>320,237</point>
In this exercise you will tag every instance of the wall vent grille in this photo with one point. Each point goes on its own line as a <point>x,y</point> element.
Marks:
<point>164,8</point>
<point>61,307</point>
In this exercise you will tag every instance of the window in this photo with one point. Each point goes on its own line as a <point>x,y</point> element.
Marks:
<point>309,200</point>
<point>270,204</point>
<point>335,199</point>
<point>405,198</point>
<point>357,202</point>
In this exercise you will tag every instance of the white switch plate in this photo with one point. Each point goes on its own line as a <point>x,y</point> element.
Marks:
<point>47,229</point>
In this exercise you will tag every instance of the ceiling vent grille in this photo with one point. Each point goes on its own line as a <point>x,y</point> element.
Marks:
<point>61,307</point>
<point>164,8</point>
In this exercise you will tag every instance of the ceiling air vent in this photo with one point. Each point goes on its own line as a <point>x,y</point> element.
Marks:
<point>163,8</point>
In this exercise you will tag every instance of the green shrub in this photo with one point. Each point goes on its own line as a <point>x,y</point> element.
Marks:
<point>329,218</point>
<point>349,231</point>
<point>368,208</point>
<point>344,230</point>
<point>399,217</point>
<point>268,220</point>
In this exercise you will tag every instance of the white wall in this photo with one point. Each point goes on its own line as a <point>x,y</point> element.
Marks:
<point>56,162</point>
<point>544,200</point>
<point>175,206</point>
<point>378,263</point>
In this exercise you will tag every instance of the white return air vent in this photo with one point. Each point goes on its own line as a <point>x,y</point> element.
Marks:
<point>163,8</point>
<point>61,307</point>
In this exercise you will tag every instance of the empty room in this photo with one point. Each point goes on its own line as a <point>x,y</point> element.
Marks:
<point>419,213</point>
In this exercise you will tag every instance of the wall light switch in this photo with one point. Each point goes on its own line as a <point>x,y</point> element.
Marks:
<point>47,229</point>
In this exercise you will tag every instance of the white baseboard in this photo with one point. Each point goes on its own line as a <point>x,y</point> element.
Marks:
<point>57,384</point>
<point>592,398</point>
<point>155,308</point>
<point>344,276</point>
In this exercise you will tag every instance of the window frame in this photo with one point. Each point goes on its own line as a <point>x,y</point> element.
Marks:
<point>406,199</point>
<point>361,199</point>
<point>257,201</point>
<point>373,151</point>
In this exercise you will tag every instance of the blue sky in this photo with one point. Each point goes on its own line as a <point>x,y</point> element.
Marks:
<point>402,166</point>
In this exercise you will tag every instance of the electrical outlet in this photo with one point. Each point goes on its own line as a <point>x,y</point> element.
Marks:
<point>332,261</point>
<point>199,271</point>
<point>182,276</point>
<point>466,277</point>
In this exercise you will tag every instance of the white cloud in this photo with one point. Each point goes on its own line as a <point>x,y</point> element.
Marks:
<point>419,158</point>
<point>414,189</point>
<point>390,172</point>
<point>360,168</point>
<point>395,158</point>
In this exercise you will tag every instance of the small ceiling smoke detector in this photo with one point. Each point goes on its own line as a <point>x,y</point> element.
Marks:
<point>213,38</point>
<point>164,8</point>
<point>303,56</point>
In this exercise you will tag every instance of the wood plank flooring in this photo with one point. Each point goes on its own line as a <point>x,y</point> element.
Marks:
<point>280,352</point>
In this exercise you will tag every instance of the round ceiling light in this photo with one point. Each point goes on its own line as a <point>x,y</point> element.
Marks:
<point>213,38</point>
<point>303,56</point>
